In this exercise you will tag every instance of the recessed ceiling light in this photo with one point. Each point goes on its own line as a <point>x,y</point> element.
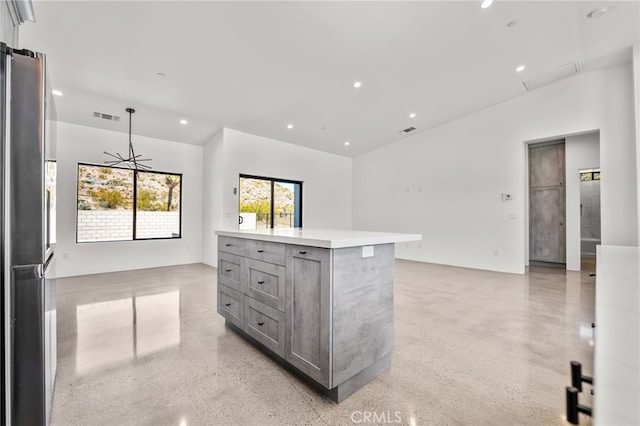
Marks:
<point>412,115</point>
<point>486,3</point>
<point>160,74</point>
<point>183,121</point>
<point>289,126</point>
<point>56,92</point>
<point>520,68</point>
<point>512,24</point>
<point>357,84</point>
<point>596,13</point>
<point>347,143</point>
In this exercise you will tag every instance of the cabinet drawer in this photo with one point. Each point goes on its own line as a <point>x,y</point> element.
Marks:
<point>265,324</point>
<point>266,283</point>
<point>265,251</point>
<point>231,305</point>
<point>231,245</point>
<point>230,270</point>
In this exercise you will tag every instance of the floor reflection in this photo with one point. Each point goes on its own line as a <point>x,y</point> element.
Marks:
<point>126,329</point>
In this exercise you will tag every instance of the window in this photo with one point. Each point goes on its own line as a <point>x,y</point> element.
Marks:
<point>270,203</point>
<point>589,176</point>
<point>119,204</point>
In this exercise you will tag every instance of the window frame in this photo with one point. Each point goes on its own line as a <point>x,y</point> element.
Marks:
<point>272,203</point>
<point>134,206</point>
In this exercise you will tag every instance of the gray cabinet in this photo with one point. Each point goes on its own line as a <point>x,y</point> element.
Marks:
<point>231,305</point>
<point>231,245</point>
<point>327,312</point>
<point>230,271</point>
<point>266,251</point>
<point>308,289</point>
<point>265,324</point>
<point>265,282</point>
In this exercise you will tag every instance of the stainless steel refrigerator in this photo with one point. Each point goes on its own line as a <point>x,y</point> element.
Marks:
<point>27,207</point>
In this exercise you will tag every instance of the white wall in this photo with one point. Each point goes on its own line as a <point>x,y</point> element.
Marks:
<point>445,183</point>
<point>85,144</point>
<point>326,189</point>
<point>581,152</point>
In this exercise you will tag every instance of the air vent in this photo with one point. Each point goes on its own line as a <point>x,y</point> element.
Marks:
<point>106,116</point>
<point>560,73</point>
<point>407,130</point>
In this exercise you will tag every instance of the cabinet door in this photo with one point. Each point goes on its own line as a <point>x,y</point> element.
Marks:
<point>230,271</point>
<point>308,311</point>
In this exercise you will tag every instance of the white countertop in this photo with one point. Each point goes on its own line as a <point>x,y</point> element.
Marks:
<point>325,238</point>
<point>617,352</point>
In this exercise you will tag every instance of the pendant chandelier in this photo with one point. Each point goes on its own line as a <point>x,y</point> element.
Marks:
<point>132,161</point>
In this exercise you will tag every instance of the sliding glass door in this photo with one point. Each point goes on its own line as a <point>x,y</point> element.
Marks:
<point>269,203</point>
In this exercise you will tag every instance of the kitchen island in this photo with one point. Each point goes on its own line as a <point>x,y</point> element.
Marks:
<point>321,301</point>
<point>616,375</point>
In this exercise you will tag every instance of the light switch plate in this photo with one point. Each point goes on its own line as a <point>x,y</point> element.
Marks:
<point>367,251</point>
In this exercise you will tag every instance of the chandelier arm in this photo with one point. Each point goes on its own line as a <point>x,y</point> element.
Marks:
<point>133,160</point>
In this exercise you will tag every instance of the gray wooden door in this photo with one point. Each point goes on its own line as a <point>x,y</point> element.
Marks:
<point>547,238</point>
<point>308,311</point>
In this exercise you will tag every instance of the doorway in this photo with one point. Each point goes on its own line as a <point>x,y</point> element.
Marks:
<point>547,236</point>
<point>267,203</point>
<point>590,236</point>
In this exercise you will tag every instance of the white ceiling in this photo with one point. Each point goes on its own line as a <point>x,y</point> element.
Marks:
<point>258,66</point>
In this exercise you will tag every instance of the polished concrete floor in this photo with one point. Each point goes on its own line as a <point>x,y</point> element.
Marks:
<point>471,348</point>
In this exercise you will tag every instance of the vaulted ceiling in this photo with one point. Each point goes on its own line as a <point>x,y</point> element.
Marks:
<point>261,66</point>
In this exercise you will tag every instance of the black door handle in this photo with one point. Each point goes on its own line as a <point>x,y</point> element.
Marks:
<point>227,304</point>
<point>260,324</point>
<point>260,251</point>
<point>260,282</point>
<point>303,252</point>
<point>227,270</point>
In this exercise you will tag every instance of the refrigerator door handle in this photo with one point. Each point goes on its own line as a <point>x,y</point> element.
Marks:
<point>42,268</point>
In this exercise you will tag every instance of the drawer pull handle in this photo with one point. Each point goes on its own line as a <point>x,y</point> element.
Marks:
<point>260,324</point>
<point>227,270</point>
<point>228,245</point>
<point>260,282</point>
<point>227,304</point>
<point>260,251</point>
<point>303,252</point>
